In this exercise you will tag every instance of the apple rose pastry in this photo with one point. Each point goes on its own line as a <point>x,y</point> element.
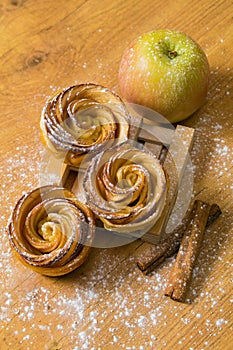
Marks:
<point>126,188</point>
<point>82,119</point>
<point>51,231</point>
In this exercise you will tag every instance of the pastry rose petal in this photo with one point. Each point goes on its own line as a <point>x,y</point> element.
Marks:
<point>83,119</point>
<point>51,231</point>
<point>126,188</point>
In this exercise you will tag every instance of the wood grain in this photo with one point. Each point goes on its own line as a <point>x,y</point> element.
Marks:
<point>107,303</point>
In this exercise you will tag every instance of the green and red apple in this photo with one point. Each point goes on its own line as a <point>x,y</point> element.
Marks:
<point>167,71</point>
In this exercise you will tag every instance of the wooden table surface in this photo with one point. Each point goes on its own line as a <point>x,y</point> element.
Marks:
<point>108,303</point>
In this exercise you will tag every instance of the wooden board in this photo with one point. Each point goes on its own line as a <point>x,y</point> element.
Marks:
<point>108,304</point>
<point>174,171</point>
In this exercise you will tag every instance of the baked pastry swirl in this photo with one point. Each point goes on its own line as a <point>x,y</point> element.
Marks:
<point>83,119</point>
<point>126,188</point>
<point>51,231</point>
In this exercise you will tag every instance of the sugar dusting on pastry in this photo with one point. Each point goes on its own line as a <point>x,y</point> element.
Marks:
<point>100,298</point>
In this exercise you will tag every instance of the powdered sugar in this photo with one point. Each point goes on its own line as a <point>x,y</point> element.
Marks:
<point>109,295</point>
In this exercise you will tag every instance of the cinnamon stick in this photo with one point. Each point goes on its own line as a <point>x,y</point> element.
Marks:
<point>169,246</point>
<point>188,252</point>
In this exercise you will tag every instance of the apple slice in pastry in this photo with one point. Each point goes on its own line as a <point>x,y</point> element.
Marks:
<point>50,231</point>
<point>126,188</point>
<point>83,119</point>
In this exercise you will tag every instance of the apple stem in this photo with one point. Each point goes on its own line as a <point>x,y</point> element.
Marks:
<point>172,54</point>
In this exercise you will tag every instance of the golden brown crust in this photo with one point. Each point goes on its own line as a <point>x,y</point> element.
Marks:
<point>126,188</point>
<point>83,119</point>
<point>51,231</point>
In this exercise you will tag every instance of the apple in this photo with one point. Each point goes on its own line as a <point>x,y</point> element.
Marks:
<point>167,71</point>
